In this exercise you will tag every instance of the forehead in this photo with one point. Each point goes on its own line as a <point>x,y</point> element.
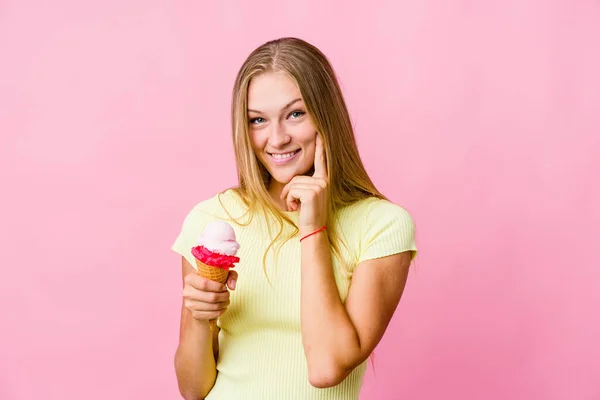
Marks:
<point>271,90</point>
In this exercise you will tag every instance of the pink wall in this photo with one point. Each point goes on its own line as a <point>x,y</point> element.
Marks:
<point>481,118</point>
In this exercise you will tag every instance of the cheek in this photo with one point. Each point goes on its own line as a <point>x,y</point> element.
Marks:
<point>304,134</point>
<point>310,155</point>
<point>257,141</point>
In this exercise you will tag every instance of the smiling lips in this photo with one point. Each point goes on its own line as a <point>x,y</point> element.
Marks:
<point>283,158</point>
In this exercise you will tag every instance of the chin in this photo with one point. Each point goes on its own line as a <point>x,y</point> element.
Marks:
<point>285,177</point>
<point>282,178</point>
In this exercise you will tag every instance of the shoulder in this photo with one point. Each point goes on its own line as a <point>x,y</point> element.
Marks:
<point>375,211</point>
<point>381,211</point>
<point>223,205</point>
<point>381,228</point>
<point>219,203</point>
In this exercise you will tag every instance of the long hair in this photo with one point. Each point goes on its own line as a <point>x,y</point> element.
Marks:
<point>314,76</point>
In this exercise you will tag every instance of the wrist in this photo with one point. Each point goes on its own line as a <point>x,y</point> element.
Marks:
<point>306,232</point>
<point>201,326</point>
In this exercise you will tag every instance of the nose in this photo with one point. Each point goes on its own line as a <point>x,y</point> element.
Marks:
<point>278,137</point>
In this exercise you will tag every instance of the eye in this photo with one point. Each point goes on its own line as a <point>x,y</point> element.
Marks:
<point>256,121</point>
<point>297,114</point>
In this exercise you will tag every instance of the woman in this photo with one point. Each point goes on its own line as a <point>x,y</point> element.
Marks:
<point>324,256</point>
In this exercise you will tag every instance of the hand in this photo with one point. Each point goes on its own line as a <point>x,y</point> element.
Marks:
<point>309,194</point>
<point>207,299</point>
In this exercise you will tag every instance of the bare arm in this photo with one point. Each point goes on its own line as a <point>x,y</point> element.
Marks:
<point>337,337</point>
<point>195,359</point>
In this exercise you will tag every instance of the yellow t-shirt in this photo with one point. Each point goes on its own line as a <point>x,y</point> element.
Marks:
<point>260,343</point>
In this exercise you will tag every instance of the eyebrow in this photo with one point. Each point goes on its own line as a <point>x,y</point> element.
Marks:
<point>286,106</point>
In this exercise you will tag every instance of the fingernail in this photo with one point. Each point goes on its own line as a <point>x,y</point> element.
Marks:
<point>233,284</point>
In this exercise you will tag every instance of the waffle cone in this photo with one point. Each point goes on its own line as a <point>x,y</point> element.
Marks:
<point>213,273</point>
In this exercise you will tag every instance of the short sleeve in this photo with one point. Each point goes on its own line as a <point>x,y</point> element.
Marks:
<point>387,229</point>
<point>193,224</point>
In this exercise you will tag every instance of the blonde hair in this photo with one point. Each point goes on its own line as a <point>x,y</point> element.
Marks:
<point>308,67</point>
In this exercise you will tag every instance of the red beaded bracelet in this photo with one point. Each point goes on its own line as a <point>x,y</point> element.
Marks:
<point>317,231</point>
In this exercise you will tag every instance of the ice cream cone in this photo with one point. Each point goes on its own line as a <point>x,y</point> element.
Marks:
<point>214,274</point>
<point>215,254</point>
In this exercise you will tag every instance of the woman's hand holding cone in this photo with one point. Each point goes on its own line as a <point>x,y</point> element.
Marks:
<point>206,299</point>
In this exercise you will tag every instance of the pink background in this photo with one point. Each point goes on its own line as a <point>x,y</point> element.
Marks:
<point>481,118</point>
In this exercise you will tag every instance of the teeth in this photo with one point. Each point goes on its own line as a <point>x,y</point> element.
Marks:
<point>283,156</point>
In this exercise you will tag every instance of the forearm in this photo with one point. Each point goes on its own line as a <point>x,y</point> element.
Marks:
<point>195,363</point>
<point>330,340</point>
